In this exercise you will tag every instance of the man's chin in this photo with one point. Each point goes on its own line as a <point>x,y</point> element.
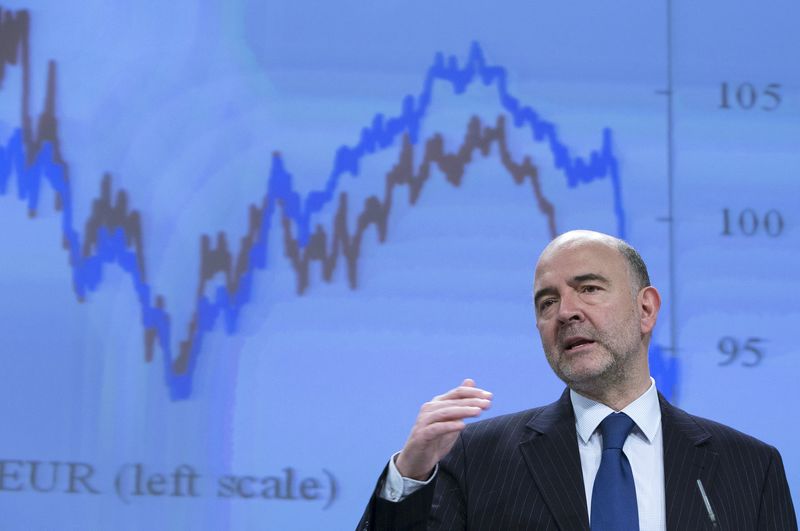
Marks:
<point>578,373</point>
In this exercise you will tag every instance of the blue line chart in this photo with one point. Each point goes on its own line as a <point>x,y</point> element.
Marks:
<point>34,164</point>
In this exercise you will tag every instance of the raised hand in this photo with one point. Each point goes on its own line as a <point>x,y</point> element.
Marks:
<point>437,427</point>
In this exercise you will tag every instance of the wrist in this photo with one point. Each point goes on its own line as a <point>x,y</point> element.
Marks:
<point>409,472</point>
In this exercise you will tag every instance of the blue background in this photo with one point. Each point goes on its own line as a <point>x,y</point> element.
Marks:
<point>185,104</point>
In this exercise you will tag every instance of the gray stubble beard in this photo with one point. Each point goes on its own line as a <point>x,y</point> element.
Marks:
<point>612,376</point>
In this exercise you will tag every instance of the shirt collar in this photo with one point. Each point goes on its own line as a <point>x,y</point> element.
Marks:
<point>645,412</point>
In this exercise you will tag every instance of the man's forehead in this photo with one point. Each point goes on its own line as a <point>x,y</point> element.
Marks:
<point>579,255</point>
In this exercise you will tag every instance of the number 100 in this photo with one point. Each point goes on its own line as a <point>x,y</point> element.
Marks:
<point>749,223</point>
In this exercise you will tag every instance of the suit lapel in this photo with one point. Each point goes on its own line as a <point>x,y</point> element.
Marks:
<point>551,455</point>
<point>686,459</point>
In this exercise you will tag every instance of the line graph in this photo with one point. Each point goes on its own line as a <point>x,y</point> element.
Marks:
<point>113,231</point>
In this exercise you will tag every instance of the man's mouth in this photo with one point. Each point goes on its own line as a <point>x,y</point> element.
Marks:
<point>574,344</point>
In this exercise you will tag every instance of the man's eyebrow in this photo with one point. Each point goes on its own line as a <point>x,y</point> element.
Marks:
<point>590,277</point>
<point>578,279</point>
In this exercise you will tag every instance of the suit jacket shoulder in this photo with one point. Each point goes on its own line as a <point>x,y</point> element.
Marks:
<point>742,478</point>
<point>519,471</point>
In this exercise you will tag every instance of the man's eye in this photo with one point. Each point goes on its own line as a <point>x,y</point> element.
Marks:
<point>590,289</point>
<point>546,303</point>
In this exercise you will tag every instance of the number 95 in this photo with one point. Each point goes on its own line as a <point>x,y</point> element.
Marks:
<point>750,352</point>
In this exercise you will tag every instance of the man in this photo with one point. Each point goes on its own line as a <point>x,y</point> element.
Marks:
<point>611,453</point>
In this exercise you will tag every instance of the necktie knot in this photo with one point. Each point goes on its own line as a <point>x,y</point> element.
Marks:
<point>615,429</point>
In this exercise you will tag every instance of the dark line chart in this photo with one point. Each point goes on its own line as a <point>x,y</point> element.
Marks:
<point>113,231</point>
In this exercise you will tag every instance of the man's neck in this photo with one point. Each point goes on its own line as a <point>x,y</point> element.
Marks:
<point>617,397</point>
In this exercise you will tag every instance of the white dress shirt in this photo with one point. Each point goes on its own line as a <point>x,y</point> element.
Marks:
<point>644,449</point>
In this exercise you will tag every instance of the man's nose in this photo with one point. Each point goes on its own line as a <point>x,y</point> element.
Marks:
<point>570,308</point>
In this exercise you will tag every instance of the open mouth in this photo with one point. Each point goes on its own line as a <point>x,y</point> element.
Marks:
<point>575,344</point>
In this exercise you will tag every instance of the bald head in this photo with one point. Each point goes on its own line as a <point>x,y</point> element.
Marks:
<point>636,267</point>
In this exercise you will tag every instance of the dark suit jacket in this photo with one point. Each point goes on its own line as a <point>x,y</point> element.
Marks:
<point>523,471</point>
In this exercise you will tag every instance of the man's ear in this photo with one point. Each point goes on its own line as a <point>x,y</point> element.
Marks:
<point>649,302</point>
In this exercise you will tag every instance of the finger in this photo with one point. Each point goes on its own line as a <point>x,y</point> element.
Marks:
<point>464,392</point>
<point>449,413</point>
<point>483,403</point>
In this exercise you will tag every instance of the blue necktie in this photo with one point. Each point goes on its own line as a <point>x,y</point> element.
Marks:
<point>614,493</point>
